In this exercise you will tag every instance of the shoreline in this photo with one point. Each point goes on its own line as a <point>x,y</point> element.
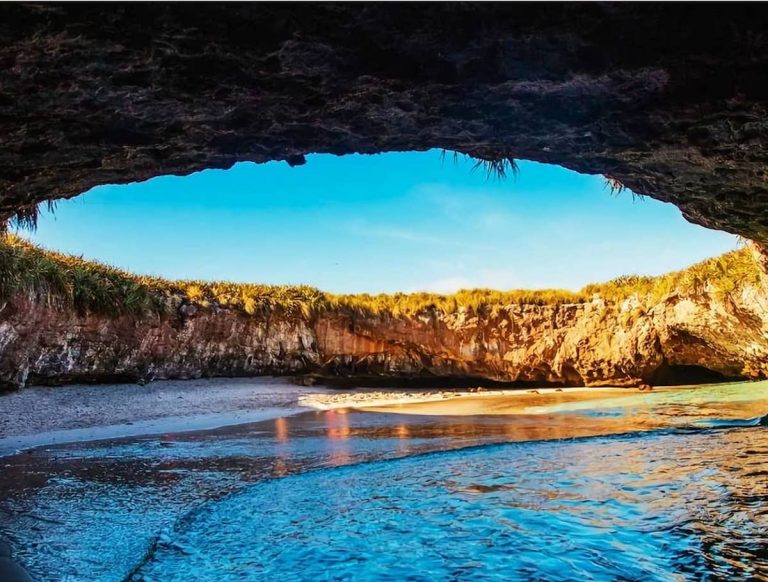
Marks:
<point>144,428</point>
<point>47,416</point>
<point>41,416</point>
<point>408,402</point>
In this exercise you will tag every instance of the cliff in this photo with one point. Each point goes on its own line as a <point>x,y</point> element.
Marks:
<point>704,323</point>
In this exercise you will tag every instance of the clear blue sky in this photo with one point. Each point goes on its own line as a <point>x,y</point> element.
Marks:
<point>390,222</point>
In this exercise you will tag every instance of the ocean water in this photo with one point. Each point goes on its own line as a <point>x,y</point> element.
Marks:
<point>635,507</point>
<point>671,485</point>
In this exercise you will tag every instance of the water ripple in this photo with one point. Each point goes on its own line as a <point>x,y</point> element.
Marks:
<point>679,505</point>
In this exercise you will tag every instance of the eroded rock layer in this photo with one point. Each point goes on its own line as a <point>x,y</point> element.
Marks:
<point>699,334</point>
<point>668,98</point>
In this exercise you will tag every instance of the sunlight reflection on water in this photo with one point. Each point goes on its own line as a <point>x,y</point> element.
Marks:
<point>652,506</point>
<point>668,486</point>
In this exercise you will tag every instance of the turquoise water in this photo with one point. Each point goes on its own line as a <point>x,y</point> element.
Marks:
<point>638,507</point>
<point>662,486</point>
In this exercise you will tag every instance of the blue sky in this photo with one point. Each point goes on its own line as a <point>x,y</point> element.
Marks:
<point>383,223</point>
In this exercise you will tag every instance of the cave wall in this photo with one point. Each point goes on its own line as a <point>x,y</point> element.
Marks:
<point>668,98</point>
<point>692,335</point>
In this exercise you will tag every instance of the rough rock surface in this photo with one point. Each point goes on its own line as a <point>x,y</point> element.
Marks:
<point>702,335</point>
<point>668,98</point>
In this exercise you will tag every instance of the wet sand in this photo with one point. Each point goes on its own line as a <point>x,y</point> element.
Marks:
<point>624,408</point>
<point>60,414</point>
<point>42,416</point>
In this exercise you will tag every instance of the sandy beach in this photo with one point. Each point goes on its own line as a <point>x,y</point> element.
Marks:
<point>77,499</point>
<point>461,402</point>
<point>39,415</point>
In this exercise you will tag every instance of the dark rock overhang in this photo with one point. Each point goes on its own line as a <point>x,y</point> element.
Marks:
<point>669,99</point>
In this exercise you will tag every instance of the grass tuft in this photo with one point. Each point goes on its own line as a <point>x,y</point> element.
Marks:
<point>26,217</point>
<point>64,281</point>
<point>614,185</point>
<point>499,168</point>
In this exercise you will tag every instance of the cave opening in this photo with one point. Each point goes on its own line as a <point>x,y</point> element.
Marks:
<point>394,222</point>
<point>264,163</point>
<point>201,136</point>
<point>407,269</point>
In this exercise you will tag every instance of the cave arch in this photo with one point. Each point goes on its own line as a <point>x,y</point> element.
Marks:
<point>669,99</point>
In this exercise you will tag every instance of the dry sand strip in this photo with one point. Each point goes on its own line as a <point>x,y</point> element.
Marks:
<point>461,403</point>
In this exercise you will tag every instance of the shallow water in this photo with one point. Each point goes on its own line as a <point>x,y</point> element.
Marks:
<point>670,485</point>
<point>661,507</point>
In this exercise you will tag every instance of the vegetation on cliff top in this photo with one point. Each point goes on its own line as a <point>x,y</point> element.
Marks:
<point>88,286</point>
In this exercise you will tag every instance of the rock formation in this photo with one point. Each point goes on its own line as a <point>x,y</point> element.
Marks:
<point>668,98</point>
<point>701,334</point>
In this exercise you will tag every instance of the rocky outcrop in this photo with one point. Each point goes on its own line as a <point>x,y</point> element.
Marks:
<point>668,98</point>
<point>692,336</point>
<point>43,344</point>
<point>678,339</point>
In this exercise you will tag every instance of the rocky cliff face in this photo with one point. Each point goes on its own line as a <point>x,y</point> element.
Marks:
<point>681,337</point>
<point>669,98</point>
<point>42,344</point>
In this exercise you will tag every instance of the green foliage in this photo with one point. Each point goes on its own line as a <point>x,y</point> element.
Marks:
<point>67,281</point>
<point>481,301</point>
<point>722,275</point>
<point>498,168</point>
